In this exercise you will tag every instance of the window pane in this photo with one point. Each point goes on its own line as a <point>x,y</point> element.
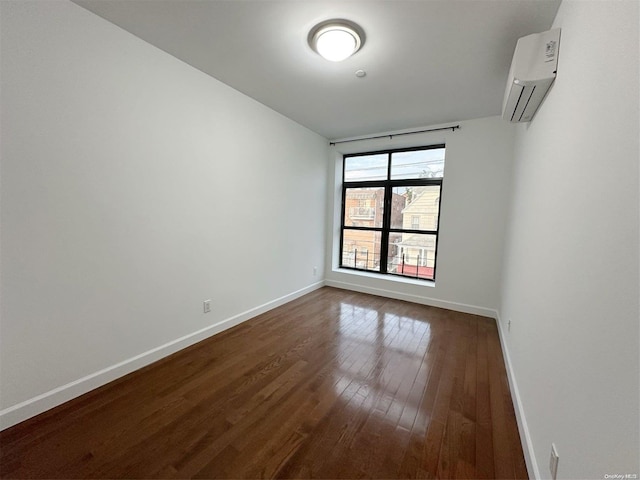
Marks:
<point>412,254</point>
<point>415,208</point>
<point>366,167</point>
<point>363,207</point>
<point>418,164</point>
<point>361,249</point>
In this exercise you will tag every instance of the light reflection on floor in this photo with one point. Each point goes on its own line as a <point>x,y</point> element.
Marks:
<point>377,352</point>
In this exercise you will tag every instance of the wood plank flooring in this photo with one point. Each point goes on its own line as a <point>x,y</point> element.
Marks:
<point>335,384</point>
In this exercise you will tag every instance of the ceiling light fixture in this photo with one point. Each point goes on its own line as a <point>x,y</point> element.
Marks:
<point>336,40</point>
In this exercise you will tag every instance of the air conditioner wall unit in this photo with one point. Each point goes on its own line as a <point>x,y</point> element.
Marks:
<point>533,70</point>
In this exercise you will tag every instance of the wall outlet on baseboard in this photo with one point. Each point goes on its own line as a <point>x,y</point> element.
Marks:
<point>315,271</point>
<point>553,462</point>
<point>206,306</point>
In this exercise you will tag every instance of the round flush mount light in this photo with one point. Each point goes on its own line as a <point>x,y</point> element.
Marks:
<point>336,40</point>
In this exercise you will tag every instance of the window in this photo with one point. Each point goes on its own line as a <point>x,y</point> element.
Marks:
<point>390,211</point>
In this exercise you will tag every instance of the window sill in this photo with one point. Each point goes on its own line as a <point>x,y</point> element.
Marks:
<point>388,278</point>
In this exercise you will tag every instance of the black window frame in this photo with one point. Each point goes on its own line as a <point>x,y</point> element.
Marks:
<point>386,229</point>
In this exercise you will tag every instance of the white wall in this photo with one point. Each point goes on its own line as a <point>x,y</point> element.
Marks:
<point>474,206</point>
<point>571,265</point>
<point>133,188</point>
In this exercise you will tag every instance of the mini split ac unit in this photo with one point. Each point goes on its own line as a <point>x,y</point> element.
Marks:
<point>533,70</point>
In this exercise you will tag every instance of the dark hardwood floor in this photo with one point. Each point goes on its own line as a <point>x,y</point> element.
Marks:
<point>335,384</point>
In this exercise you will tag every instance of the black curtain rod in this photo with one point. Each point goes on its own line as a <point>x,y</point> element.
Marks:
<point>452,128</point>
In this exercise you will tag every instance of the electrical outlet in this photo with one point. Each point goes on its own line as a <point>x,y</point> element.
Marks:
<point>315,271</point>
<point>207,306</point>
<point>553,462</point>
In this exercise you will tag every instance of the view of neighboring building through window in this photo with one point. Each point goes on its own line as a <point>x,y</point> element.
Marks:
<point>390,210</point>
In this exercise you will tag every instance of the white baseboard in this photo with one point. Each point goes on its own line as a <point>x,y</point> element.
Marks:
<point>41,403</point>
<point>525,436</point>
<point>433,302</point>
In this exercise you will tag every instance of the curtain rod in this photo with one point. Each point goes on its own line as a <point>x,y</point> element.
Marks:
<point>452,128</point>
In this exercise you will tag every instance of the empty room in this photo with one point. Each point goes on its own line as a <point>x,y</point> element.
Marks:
<point>321,239</point>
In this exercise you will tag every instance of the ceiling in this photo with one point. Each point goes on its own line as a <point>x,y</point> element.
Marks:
<point>427,61</point>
